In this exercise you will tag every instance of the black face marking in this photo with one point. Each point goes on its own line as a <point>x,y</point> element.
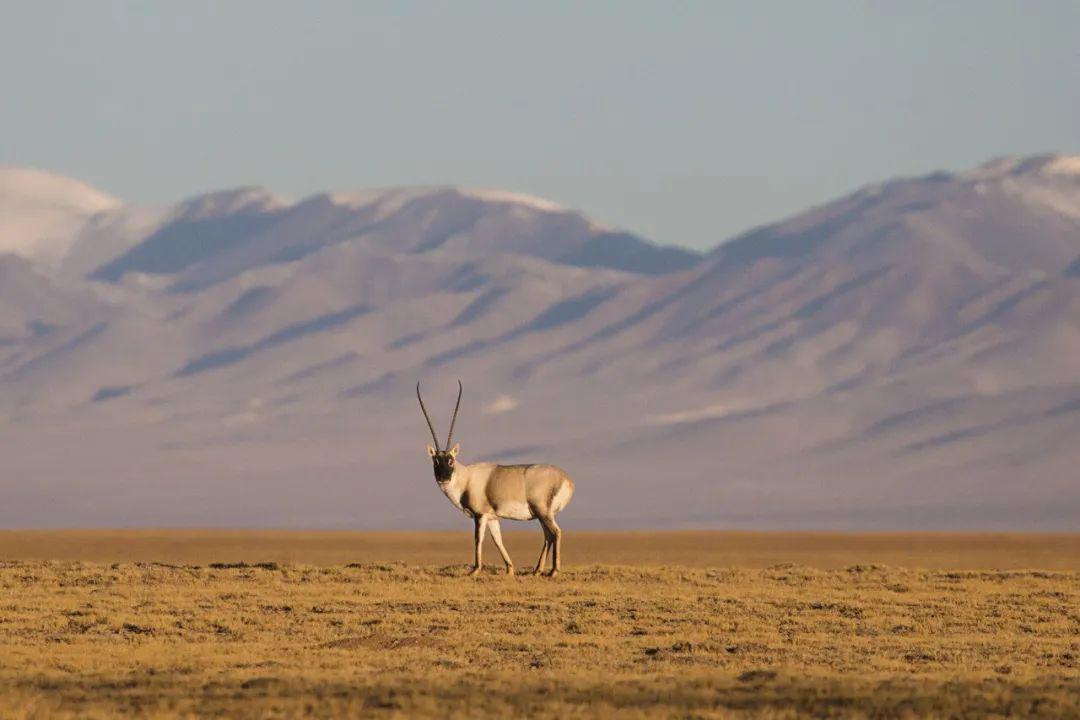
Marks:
<point>444,466</point>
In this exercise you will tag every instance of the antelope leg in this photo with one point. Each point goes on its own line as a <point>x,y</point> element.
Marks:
<point>543,550</point>
<point>481,531</point>
<point>496,535</point>
<point>556,543</point>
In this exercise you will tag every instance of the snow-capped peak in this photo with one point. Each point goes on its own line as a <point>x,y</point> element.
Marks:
<point>40,188</point>
<point>40,212</point>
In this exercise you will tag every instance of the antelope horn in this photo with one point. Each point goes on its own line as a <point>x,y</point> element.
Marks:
<point>457,407</point>
<point>424,410</point>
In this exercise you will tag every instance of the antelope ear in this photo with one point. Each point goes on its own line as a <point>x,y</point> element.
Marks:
<point>455,450</point>
<point>431,451</point>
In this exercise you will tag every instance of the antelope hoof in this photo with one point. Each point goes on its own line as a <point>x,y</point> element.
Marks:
<point>509,569</point>
<point>551,573</point>
<point>475,572</point>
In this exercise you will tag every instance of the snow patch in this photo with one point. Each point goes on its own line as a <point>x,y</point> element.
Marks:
<point>40,213</point>
<point>1063,165</point>
<point>512,198</point>
<point>383,201</point>
<point>355,199</point>
<point>42,187</point>
<point>1037,166</point>
<point>387,201</point>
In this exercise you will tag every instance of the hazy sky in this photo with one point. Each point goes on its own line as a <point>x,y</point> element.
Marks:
<point>684,121</point>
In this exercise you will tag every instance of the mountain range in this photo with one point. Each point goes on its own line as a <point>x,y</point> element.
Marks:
<point>907,356</point>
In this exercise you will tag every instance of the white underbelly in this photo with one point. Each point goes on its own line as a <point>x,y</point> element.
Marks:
<point>515,511</point>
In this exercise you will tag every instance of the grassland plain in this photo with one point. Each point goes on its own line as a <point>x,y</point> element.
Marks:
<point>278,625</point>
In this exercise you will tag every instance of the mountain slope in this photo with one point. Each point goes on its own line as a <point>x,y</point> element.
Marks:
<point>213,238</point>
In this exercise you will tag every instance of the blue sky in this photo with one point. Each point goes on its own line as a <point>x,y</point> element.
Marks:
<point>686,122</point>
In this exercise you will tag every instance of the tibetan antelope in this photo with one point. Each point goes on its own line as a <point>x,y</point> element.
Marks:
<point>487,492</point>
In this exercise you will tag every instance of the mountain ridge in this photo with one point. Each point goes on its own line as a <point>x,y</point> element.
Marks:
<point>908,348</point>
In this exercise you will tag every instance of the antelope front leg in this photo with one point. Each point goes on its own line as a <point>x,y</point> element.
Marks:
<point>481,530</point>
<point>496,535</point>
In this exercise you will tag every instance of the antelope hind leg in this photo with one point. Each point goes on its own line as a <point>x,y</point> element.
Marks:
<point>555,533</point>
<point>543,550</point>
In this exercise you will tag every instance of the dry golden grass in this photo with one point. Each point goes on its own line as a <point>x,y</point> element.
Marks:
<point>390,639</point>
<point>952,551</point>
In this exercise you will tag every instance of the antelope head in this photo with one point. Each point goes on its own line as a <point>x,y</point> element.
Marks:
<point>442,460</point>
